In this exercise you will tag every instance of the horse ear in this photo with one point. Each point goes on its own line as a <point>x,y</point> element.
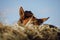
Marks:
<point>21,13</point>
<point>44,19</point>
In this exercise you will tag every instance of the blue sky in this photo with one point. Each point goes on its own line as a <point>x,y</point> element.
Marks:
<point>9,10</point>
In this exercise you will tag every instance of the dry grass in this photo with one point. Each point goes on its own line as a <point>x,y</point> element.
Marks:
<point>21,32</point>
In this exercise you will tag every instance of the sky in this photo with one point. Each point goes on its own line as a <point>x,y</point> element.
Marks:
<point>9,10</point>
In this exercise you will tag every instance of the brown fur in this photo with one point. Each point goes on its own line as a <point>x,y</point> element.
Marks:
<point>25,16</point>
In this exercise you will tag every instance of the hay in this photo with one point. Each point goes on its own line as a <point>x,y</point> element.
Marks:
<point>43,32</point>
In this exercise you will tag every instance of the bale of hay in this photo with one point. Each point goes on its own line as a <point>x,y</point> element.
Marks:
<point>43,32</point>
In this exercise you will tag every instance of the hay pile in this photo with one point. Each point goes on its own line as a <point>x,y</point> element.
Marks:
<point>43,32</point>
